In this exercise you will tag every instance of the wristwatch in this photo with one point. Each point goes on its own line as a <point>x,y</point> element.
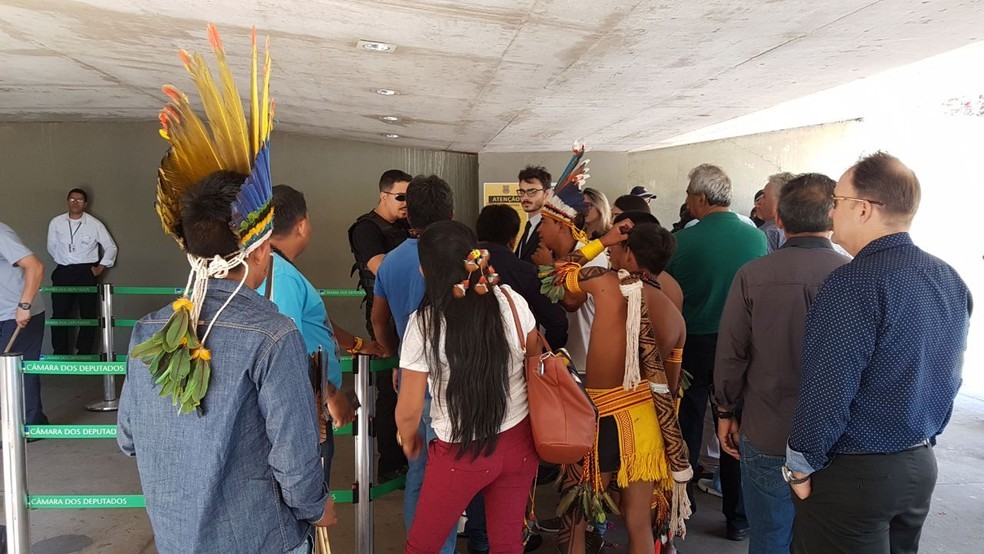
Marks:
<point>787,475</point>
<point>24,305</point>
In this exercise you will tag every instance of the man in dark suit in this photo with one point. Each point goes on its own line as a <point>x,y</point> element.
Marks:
<point>497,227</point>
<point>534,183</point>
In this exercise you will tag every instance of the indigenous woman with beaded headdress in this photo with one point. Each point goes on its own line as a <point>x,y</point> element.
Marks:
<point>463,343</point>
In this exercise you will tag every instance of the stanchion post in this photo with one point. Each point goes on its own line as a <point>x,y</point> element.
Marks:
<point>109,403</point>
<point>14,464</point>
<point>364,459</point>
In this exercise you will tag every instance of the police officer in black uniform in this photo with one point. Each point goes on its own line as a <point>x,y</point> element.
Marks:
<point>371,237</point>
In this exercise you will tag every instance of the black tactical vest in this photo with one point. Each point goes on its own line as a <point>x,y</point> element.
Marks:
<point>393,235</point>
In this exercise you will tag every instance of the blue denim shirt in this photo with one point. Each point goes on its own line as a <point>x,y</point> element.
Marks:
<point>246,476</point>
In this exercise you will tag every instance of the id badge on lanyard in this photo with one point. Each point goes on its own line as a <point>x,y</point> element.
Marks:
<point>71,236</point>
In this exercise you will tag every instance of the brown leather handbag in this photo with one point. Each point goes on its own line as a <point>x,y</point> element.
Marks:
<point>562,416</point>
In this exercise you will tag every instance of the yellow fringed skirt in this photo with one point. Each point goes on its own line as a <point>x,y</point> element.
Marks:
<point>642,453</point>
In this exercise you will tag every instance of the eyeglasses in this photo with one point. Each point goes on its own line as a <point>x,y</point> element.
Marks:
<point>839,198</point>
<point>398,196</point>
<point>527,192</point>
<point>76,201</point>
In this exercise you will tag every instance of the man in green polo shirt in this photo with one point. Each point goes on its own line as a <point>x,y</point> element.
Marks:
<point>707,257</point>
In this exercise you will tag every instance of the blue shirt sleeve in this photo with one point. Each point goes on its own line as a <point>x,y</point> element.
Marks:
<point>293,296</point>
<point>331,352</point>
<point>839,343</point>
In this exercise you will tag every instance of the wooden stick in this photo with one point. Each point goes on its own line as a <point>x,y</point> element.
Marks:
<point>322,543</point>
<point>12,339</point>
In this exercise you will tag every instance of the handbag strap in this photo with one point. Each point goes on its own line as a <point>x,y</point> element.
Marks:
<point>519,327</point>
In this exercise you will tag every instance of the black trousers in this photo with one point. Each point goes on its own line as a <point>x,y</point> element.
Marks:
<point>28,343</point>
<point>698,360</point>
<point>63,306</point>
<point>866,504</point>
<point>391,456</point>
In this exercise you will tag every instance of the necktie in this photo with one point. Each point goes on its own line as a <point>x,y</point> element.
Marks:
<point>525,239</point>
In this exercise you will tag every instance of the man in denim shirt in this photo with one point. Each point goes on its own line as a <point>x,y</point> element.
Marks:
<point>244,474</point>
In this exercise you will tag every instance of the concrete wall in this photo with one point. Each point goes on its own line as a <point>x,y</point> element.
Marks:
<point>748,160</point>
<point>943,151</point>
<point>116,163</point>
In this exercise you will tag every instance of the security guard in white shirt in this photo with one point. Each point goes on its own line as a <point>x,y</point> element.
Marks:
<point>74,239</point>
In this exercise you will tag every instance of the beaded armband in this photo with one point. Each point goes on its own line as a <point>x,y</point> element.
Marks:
<point>676,355</point>
<point>592,249</point>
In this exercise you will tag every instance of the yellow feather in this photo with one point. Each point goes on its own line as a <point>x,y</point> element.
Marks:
<point>267,117</point>
<point>234,117</point>
<point>254,130</point>
<point>215,112</point>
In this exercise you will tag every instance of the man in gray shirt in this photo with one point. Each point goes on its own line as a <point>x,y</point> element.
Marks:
<point>759,355</point>
<point>22,307</point>
<point>767,207</point>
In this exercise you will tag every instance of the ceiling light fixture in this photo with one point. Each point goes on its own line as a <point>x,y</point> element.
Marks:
<point>385,91</point>
<point>389,118</point>
<point>391,135</point>
<point>375,46</point>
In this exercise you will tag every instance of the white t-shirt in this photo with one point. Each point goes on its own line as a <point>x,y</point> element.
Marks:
<point>517,406</point>
<point>579,322</point>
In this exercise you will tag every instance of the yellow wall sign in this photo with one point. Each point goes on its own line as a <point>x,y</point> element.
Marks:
<point>505,193</point>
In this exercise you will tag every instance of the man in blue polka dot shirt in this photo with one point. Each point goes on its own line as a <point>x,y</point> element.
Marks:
<point>882,361</point>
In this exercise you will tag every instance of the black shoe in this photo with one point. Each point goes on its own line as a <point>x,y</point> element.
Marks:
<point>737,533</point>
<point>474,551</point>
<point>532,543</point>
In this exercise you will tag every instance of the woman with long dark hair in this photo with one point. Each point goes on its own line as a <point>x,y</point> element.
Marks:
<point>462,344</point>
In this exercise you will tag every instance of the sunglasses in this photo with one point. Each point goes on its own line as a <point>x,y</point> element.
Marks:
<point>398,196</point>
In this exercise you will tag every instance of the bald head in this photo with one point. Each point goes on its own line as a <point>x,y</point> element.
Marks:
<point>884,178</point>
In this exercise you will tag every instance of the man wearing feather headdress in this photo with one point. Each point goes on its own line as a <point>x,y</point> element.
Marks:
<point>213,405</point>
<point>638,441</point>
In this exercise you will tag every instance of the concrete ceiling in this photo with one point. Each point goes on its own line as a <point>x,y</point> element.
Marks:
<point>474,75</point>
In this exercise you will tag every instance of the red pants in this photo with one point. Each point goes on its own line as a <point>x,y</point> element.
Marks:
<point>504,478</point>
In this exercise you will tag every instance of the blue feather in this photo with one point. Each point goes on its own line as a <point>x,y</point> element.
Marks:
<point>254,197</point>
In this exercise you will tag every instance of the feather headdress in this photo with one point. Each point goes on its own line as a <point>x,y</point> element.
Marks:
<point>177,359</point>
<point>566,200</point>
<point>229,142</point>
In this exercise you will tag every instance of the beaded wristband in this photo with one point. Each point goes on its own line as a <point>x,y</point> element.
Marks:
<point>592,249</point>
